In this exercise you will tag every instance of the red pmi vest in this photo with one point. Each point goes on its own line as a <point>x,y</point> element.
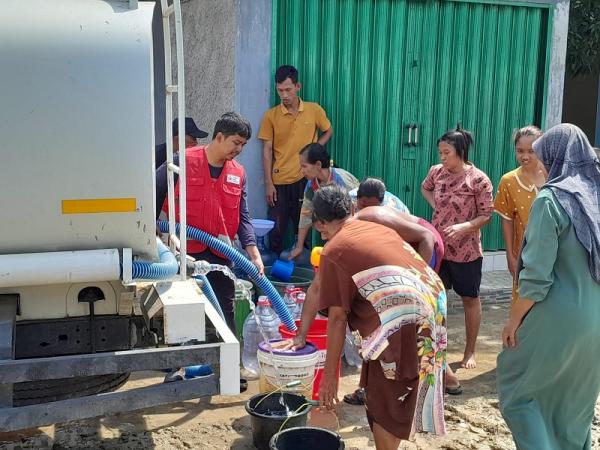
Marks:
<point>213,205</point>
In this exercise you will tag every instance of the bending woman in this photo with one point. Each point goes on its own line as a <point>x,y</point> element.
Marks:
<point>398,305</point>
<point>315,164</point>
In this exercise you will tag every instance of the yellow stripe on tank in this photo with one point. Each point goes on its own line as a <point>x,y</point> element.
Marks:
<point>99,205</point>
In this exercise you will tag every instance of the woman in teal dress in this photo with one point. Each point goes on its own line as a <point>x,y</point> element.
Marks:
<point>549,370</point>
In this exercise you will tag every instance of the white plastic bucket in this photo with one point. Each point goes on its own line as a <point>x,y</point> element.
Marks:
<point>281,368</point>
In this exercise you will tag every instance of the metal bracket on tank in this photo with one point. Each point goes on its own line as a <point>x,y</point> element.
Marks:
<point>127,265</point>
<point>8,316</point>
<point>182,307</point>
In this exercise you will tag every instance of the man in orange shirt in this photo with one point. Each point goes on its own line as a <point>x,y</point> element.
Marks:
<point>285,130</point>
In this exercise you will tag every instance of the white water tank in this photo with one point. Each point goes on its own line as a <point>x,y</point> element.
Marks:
<point>77,125</point>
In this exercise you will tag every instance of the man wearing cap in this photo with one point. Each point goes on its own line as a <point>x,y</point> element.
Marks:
<point>192,134</point>
<point>216,187</point>
<point>285,130</point>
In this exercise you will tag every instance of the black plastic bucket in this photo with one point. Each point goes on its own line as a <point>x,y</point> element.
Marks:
<point>265,419</point>
<point>302,277</point>
<point>303,438</point>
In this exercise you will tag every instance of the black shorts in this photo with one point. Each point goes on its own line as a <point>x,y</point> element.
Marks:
<point>464,278</point>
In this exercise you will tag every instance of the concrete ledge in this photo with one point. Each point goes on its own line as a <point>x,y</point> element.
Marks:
<point>494,261</point>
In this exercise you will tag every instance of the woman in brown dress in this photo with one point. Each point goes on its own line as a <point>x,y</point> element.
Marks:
<point>397,304</point>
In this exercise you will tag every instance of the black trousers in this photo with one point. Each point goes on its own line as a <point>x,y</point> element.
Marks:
<point>287,207</point>
<point>221,284</point>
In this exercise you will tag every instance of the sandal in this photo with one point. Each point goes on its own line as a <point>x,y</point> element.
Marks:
<point>457,390</point>
<point>356,398</point>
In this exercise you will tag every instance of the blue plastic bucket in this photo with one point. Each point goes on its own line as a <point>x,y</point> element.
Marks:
<point>283,270</point>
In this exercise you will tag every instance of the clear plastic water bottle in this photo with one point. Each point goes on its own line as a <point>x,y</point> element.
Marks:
<point>300,298</point>
<point>289,298</point>
<point>351,346</point>
<point>253,335</point>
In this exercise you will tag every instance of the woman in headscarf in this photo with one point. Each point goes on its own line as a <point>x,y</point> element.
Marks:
<point>549,370</point>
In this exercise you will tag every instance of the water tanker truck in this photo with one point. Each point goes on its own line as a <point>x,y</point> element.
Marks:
<point>86,91</point>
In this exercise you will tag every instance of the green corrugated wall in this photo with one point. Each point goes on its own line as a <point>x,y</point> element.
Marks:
<point>378,66</point>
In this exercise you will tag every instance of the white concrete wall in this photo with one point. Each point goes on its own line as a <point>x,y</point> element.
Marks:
<point>558,59</point>
<point>560,29</point>
<point>209,28</point>
<point>253,81</point>
<point>227,68</point>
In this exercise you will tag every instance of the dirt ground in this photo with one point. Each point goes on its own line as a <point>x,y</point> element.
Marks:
<point>473,419</point>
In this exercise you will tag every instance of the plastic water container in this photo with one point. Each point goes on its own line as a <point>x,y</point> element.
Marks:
<point>351,354</point>
<point>252,335</point>
<point>300,298</point>
<point>278,368</point>
<point>317,334</point>
<point>289,298</point>
<point>241,305</point>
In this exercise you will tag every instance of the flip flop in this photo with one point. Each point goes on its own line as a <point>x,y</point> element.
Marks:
<point>458,390</point>
<point>356,398</point>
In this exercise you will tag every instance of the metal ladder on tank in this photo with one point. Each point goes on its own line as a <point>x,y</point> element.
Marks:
<point>175,241</point>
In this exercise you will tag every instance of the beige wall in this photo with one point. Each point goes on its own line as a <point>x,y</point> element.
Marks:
<point>209,33</point>
<point>580,103</point>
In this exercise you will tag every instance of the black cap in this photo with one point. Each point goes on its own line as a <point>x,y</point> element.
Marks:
<point>190,129</point>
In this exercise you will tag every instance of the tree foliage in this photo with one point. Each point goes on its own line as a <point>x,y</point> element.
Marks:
<point>583,45</point>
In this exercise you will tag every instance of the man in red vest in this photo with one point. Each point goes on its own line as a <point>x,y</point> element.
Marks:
<point>216,201</point>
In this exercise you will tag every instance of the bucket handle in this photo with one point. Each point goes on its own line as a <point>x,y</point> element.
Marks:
<point>294,414</point>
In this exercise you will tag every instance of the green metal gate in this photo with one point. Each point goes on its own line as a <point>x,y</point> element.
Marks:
<point>393,75</point>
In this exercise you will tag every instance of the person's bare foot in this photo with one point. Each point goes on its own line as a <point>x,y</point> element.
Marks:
<point>468,362</point>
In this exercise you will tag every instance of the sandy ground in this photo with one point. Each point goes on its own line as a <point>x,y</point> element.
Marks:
<point>473,419</point>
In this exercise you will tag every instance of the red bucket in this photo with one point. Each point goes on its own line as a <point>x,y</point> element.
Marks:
<point>317,334</point>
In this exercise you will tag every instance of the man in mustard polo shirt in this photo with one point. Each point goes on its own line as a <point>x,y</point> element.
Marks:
<point>285,130</point>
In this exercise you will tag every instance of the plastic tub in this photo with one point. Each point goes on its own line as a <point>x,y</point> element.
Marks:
<point>303,438</point>
<point>317,335</point>
<point>283,367</point>
<point>267,417</point>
